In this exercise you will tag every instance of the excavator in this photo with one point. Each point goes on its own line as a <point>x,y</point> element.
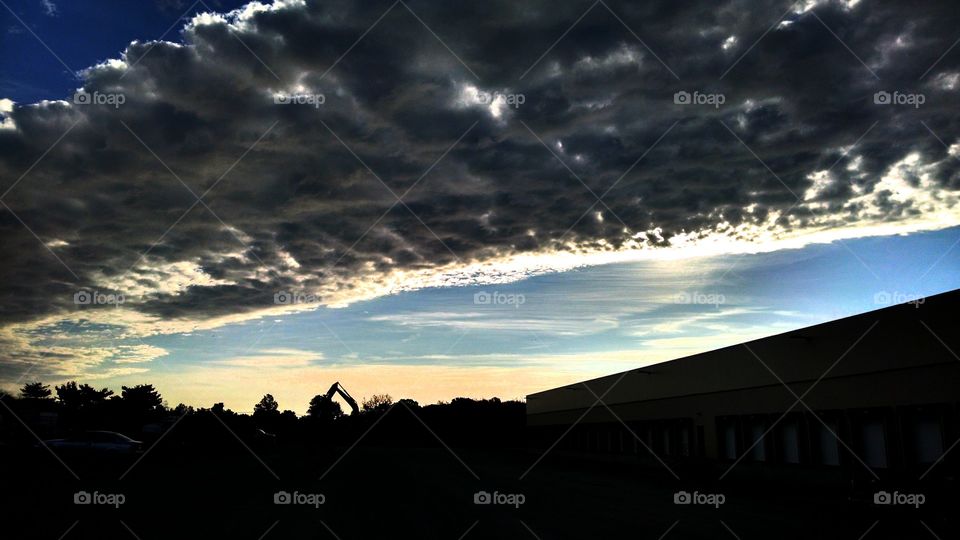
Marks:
<point>337,388</point>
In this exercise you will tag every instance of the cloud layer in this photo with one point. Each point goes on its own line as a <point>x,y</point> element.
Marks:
<point>299,125</point>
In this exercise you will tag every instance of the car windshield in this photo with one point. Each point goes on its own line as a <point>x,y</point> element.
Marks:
<point>108,437</point>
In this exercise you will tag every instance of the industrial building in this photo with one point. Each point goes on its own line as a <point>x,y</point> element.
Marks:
<point>880,390</point>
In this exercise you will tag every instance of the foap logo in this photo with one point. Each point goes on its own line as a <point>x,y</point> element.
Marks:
<point>82,97</point>
<point>506,499</point>
<point>314,100</point>
<point>706,499</point>
<point>484,298</point>
<point>305,499</point>
<point>899,98</point>
<point>901,499</point>
<point>510,100</point>
<point>105,499</point>
<point>290,298</point>
<point>85,297</point>
<point>698,98</point>
<point>701,298</point>
<point>889,298</point>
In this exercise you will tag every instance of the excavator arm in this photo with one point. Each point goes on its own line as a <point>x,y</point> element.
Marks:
<point>337,388</point>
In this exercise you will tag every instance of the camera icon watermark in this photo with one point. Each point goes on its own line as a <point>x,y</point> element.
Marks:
<point>305,499</point>
<point>289,298</point>
<point>105,499</point>
<point>889,298</point>
<point>884,97</point>
<point>707,499</point>
<point>314,100</point>
<point>85,297</point>
<point>82,97</point>
<point>698,98</point>
<point>885,498</point>
<point>484,298</point>
<point>700,298</point>
<point>506,499</point>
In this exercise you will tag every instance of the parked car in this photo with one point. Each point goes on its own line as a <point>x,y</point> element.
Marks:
<point>98,442</point>
<point>263,440</point>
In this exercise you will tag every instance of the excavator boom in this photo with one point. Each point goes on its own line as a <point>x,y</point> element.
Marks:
<point>337,388</point>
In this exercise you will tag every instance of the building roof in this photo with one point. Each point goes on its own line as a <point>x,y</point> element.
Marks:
<point>893,338</point>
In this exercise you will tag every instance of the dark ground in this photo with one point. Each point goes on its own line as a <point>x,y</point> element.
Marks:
<point>423,493</point>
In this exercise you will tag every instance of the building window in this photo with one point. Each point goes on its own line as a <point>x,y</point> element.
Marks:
<point>873,441</point>
<point>701,441</point>
<point>927,440</point>
<point>728,440</point>
<point>755,431</point>
<point>789,441</point>
<point>665,440</point>
<point>635,430</point>
<point>685,440</point>
<point>827,445</point>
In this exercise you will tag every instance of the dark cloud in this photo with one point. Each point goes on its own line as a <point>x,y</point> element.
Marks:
<point>288,200</point>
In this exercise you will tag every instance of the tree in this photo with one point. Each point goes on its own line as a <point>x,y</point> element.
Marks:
<point>266,407</point>
<point>83,396</point>
<point>324,408</point>
<point>141,398</point>
<point>411,403</point>
<point>35,390</point>
<point>377,403</point>
<point>182,409</point>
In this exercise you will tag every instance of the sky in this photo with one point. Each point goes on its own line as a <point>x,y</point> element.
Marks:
<point>458,199</point>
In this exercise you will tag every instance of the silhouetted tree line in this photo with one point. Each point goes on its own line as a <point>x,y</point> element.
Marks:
<point>140,412</point>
